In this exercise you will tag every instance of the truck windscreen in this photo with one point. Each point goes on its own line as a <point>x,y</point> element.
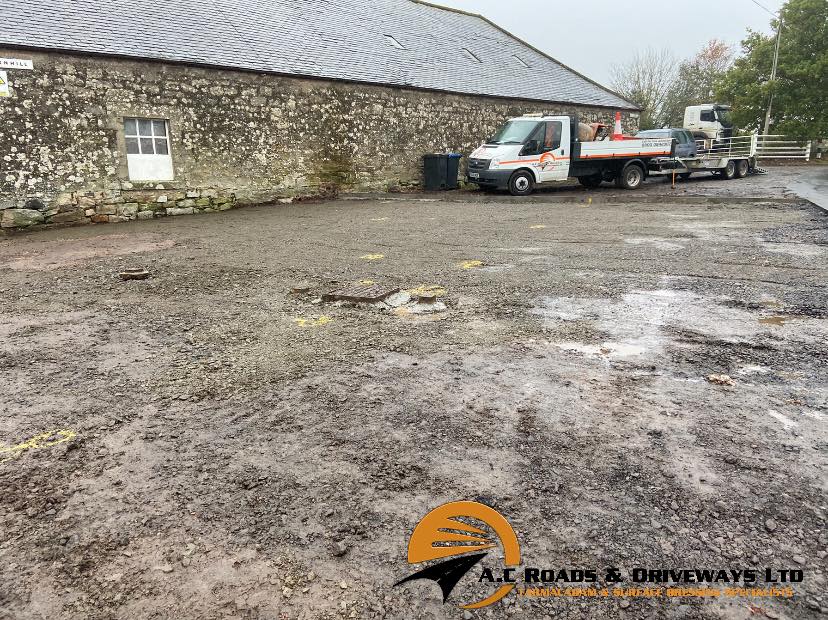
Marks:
<point>514,132</point>
<point>724,117</point>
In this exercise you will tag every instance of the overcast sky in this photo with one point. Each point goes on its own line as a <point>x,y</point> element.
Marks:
<point>591,44</point>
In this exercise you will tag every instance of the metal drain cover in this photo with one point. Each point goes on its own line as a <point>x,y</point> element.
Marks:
<point>363,293</point>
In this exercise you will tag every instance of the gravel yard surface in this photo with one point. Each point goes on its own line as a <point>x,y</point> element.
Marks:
<point>636,381</point>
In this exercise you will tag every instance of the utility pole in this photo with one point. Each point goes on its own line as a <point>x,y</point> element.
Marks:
<point>773,74</point>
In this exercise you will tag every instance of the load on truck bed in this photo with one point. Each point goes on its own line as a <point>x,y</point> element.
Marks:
<point>531,150</point>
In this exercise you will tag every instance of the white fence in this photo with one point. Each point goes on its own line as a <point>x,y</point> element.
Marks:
<point>777,147</point>
<point>761,146</point>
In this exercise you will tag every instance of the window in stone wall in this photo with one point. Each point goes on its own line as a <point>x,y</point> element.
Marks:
<point>148,149</point>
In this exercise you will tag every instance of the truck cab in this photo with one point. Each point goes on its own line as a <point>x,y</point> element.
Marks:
<point>710,121</point>
<point>539,143</point>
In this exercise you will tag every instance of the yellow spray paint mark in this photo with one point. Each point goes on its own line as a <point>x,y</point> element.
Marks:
<point>322,320</point>
<point>588,202</point>
<point>372,256</point>
<point>538,227</point>
<point>428,289</point>
<point>379,219</point>
<point>44,440</point>
<point>471,264</point>
<point>366,282</point>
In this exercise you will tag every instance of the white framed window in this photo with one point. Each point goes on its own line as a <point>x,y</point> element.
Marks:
<point>148,149</point>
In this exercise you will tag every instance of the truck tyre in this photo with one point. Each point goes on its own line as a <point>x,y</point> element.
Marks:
<point>591,181</point>
<point>729,171</point>
<point>742,168</point>
<point>685,175</point>
<point>522,183</point>
<point>631,177</point>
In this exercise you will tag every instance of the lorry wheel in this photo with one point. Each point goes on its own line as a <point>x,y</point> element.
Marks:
<point>631,177</point>
<point>591,181</point>
<point>685,175</point>
<point>742,168</point>
<point>729,171</point>
<point>521,183</point>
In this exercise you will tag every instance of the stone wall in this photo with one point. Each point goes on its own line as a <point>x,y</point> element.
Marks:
<point>236,138</point>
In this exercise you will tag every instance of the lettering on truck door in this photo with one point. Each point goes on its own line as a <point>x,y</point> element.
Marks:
<point>553,164</point>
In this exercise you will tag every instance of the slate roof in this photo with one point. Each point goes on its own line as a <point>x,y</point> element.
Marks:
<point>333,39</point>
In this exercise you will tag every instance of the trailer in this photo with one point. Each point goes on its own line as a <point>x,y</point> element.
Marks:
<point>536,149</point>
<point>729,158</point>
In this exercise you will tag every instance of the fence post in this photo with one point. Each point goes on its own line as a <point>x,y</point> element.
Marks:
<point>808,151</point>
<point>754,144</point>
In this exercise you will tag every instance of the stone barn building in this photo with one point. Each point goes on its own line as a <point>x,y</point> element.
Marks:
<point>114,110</point>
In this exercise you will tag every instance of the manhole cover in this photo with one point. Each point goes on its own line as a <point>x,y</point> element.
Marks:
<point>364,293</point>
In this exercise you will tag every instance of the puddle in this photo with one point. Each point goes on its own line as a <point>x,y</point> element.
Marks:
<point>779,320</point>
<point>712,231</point>
<point>638,322</point>
<point>404,303</point>
<point>785,420</point>
<point>610,350</point>
<point>661,244</point>
<point>751,369</point>
<point>800,250</point>
<point>769,302</point>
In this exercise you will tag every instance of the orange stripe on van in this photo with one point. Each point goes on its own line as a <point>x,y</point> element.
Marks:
<point>533,161</point>
<point>613,155</point>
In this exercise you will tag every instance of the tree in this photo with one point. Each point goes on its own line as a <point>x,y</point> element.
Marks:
<point>696,80</point>
<point>646,80</point>
<point>800,105</point>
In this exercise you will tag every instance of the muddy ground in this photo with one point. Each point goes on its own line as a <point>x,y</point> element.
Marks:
<point>233,449</point>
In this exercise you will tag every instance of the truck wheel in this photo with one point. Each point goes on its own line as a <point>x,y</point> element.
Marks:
<point>591,181</point>
<point>684,175</point>
<point>631,177</point>
<point>742,168</point>
<point>729,171</point>
<point>521,183</point>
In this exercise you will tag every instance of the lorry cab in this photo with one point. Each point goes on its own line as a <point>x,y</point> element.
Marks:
<point>540,144</point>
<point>710,120</point>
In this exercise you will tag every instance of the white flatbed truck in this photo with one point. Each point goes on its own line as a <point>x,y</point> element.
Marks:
<point>533,150</point>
